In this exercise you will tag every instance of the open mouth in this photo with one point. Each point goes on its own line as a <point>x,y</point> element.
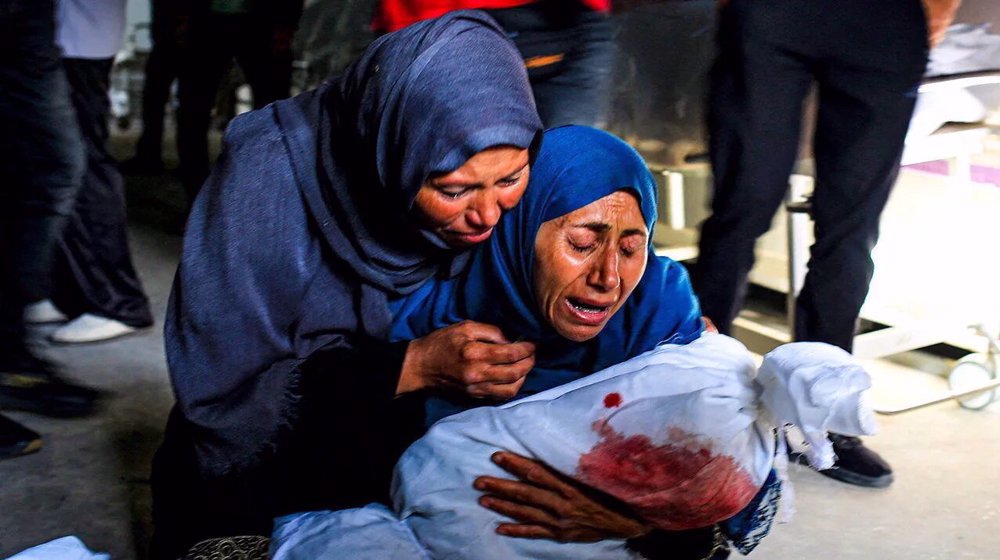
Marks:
<point>587,312</point>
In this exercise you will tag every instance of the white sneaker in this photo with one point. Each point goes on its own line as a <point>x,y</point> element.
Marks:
<point>90,328</point>
<point>43,312</point>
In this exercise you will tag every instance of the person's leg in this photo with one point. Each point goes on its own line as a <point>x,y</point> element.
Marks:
<point>200,68</point>
<point>867,90</point>
<point>758,85</point>
<point>875,56</point>
<point>41,162</point>
<point>160,71</point>
<point>266,65</point>
<point>94,272</point>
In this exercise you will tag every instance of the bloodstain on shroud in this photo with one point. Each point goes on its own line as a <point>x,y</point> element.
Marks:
<point>680,485</point>
<point>612,400</point>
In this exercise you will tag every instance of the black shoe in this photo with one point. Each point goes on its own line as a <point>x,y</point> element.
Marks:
<point>16,440</point>
<point>855,463</point>
<point>31,384</point>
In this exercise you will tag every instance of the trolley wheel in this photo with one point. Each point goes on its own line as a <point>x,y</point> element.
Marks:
<point>970,372</point>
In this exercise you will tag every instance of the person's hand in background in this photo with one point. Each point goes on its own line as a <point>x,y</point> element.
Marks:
<point>940,15</point>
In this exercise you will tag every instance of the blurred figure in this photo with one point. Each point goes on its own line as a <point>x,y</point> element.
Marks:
<point>209,34</point>
<point>41,162</point>
<point>94,281</point>
<point>567,46</point>
<point>161,69</point>
<point>866,60</point>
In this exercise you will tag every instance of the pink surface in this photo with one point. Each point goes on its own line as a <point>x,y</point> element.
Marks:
<point>980,173</point>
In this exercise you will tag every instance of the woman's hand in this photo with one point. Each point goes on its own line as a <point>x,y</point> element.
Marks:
<point>469,357</point>
<point>547,505</point>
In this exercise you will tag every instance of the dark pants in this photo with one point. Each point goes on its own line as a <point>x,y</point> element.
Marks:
<point>41,160</point>
<point>569,52</point>
<point>161,69</point>
<point>866,59</point>
<point>215,40</point>
<point>93,271</point>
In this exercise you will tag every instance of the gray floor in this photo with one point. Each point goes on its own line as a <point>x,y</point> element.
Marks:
<point>91,478</point>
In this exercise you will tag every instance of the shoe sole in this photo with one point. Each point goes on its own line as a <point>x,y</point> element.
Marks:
<point>50,321</point>
<point>138,331</point>
<point>19,450</point>
<point>849,477</point>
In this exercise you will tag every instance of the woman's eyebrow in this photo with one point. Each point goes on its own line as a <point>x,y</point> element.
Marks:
<point>601,227</point>
<point>516,171</point>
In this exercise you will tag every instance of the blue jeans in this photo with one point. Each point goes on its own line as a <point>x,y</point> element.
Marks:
<point>41,159</point>
<point>569,51</point>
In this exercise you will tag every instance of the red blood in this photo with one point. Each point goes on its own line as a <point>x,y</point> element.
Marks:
<point>612,400</point>
<point>680,485</point>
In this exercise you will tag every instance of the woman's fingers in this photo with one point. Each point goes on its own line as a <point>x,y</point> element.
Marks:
<point>519,492</point>
<point>521,513</point>
<point>547,506</point>
<point>526,531</point>
<point>481,331</point>
<point>498,353</point>
<point>497,391</point>
<point>532,471</point>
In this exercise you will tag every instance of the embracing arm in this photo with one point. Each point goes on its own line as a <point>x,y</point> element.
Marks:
<point>545,504</point>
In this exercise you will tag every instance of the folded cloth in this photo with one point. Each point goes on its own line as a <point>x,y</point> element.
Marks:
<point>65,548</point>
<point>683,435</point>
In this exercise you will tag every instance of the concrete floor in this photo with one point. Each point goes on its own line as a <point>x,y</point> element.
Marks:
<point>91,478</point>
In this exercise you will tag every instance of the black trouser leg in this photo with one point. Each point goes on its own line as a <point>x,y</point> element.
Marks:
<point>160,71</point>
<point>268,72</point>
<point>755,110</point>
<point>94,272</point>
<point>866,97</point>
<point>41,160</point>
<point>201,66</point>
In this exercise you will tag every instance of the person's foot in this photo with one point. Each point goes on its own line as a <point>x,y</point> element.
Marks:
<point>17,440</point>
<point>90,328</point>
<point>141,165</point>
<point>855,463</point>
<point>31,384</point>
<point>42,312</point>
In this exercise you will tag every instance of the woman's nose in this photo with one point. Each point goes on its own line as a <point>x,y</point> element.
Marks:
<point>485,212</point>
<point>604,275</point>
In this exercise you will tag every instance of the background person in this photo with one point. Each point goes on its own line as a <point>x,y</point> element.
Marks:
<point>567,46</point>
<point>41,162</point>
<point>866,61</point>
<point>209,35</point>
<point>94,280</point>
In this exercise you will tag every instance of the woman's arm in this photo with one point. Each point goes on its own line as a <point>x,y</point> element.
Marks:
<point>548,505</point>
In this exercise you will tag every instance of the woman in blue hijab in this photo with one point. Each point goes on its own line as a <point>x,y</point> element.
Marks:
<point>322,209</point>
<point>576,167</point>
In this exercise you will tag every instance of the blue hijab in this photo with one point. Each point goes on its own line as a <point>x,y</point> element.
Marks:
<point>575,166</point>
<point>303,232</point>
